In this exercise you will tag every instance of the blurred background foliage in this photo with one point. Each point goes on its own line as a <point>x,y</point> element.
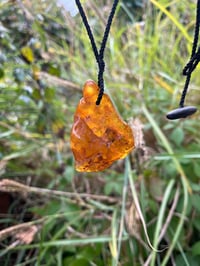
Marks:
<point>45,58</point>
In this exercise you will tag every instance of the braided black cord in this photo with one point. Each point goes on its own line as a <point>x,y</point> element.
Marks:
<point>102,49</point>
<point>89,31</point>
<point>98,55</point>
<point>194,59</point>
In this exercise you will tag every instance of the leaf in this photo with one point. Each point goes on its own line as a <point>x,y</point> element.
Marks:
<point>36,94</point>
<point>19,74</point>
<point>180,205</point>
<point>76,262</point>
<point>90,252</point>
<point>112,187</point>
<point>196,224</point>
<point>1,72</point>
<point>54,70</point>
<point>27,53</point>
<point>195,199</point>
<point>191,260</point>
<point>48,209</point>
<point>177,136</point>
<point>196,248</point>
<point>197,169</point>
<point>49,94</point>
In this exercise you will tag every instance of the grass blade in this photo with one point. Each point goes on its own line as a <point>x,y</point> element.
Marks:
<point>184,181</point>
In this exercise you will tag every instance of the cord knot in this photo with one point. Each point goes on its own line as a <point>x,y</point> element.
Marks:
<point>191,65</point>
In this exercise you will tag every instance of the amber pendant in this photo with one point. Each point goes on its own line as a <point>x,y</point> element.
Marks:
<point>99,136</point>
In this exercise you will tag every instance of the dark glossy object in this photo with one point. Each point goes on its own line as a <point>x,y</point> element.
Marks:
<point>181,112</point>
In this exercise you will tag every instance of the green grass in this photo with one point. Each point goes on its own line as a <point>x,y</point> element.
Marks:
<point>144,210</point>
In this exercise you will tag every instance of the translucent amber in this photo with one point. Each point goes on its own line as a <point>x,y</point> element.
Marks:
<point>99,136</point>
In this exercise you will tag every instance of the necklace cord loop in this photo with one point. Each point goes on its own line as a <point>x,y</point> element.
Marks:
<point>99,55</point>
<point>194,58</point>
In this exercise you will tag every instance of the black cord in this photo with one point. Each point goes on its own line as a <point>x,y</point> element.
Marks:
<point>99,55</point>
<point>184,111</point>
<point>89,31</point>
<point>194,59</point>
<point>102,49</point>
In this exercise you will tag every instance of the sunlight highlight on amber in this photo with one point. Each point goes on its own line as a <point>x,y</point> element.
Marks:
<point>99,136</point>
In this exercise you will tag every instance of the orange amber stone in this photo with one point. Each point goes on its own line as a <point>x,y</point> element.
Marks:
<point>99,136</point>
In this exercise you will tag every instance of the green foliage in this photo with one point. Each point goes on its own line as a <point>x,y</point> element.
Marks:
<point>91,218</point>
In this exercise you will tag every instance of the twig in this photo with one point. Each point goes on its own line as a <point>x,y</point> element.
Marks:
<point>58,81</point>
<point>14,230</point>
<point>7,185</point>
